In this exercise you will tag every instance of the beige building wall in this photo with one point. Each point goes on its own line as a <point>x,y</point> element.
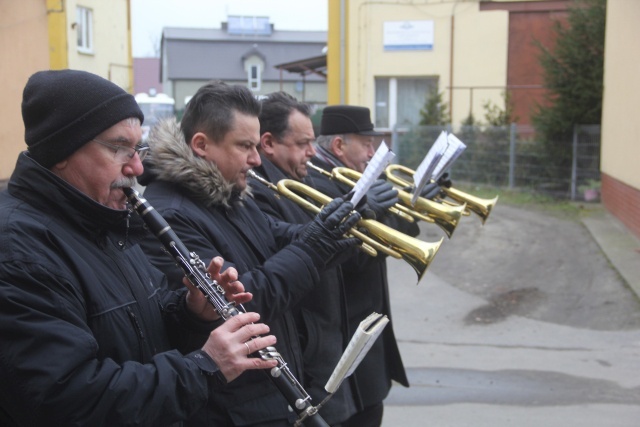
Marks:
<point>40,34</point>
<point>479,60</point>
<point>23,49</point>
<point>469,52</point>
<point>620,149</point>
<point>111,57</point>
<point>621,104</point>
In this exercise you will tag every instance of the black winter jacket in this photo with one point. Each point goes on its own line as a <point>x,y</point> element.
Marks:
<point>211,220</point>
<point>321,316</point>
<point>367,290</point>
<point>84,323</point>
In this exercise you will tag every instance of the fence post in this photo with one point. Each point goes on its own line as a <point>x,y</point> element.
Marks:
<point>395,141</point>
<point>512,155</point>
<point>574,163</point>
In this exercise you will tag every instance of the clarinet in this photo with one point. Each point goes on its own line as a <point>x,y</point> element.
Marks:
<point>195,270</point>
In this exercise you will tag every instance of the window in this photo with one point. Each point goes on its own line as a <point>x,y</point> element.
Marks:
<point>253,62</point>
<point>254,77</point>
<point>382,103</point>
<point>400,99</point>
<point>84,29</point>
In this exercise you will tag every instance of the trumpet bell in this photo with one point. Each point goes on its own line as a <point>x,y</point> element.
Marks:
<point>444,216</point>
<point>479,206</point>
<point>416,253</point>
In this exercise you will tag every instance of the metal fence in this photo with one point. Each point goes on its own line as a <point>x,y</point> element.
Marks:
<point>511,157</point>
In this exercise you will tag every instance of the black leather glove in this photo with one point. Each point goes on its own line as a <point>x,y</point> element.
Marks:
<point>433,189</point>
<point>380,197</point>
<point>430,191</point>
<point>444,180</point>
<point>324,235</point>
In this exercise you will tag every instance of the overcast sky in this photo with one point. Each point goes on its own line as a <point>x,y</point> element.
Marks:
<point>150,16</point>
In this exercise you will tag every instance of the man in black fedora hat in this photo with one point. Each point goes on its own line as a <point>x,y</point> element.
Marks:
<point>342,124</point>
<point>347,138</point>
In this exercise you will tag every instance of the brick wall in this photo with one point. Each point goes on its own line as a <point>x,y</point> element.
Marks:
<point>622,201</point>
<point>530,22</point>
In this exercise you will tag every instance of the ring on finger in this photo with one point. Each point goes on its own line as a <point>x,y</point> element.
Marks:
<point>248,348</point>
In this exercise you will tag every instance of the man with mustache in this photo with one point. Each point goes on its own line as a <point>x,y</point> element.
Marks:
<point>89,329</point>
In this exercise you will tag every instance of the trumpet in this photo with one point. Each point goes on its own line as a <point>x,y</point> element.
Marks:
<point>377,236</point>
<point>446,217</point>
<point>343,175</point>
<point>479,206</point>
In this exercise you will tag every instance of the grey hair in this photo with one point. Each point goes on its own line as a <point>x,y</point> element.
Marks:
<point>324,141</point>
<point>132,121</point>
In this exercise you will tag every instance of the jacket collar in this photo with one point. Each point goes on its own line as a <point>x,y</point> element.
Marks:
<point>328,157</point>
<point>172,160</point>
<point>272,173</point>
<point>269,170</point>
<point>45,191</point>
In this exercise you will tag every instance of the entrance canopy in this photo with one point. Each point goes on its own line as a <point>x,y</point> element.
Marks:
<point>315,65</point>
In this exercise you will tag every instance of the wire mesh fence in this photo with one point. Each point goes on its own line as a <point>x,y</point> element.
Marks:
<point>511,157</point>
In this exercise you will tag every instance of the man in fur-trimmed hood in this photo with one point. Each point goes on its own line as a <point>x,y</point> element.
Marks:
<point>198,181</point>
<point>173,160</point>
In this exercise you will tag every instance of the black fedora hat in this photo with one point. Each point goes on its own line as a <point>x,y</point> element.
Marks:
<point>341,119</point>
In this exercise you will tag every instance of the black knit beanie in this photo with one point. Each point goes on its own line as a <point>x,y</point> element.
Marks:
<point>63,110</point>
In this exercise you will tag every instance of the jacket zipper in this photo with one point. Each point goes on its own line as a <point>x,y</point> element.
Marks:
<point>138,328</point>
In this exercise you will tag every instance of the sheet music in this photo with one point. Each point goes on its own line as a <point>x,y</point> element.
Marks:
<point>425,171</point>
<point>453,151</point>
<point>440,157</point>
<point>364,337</point>
<point>377,164</point>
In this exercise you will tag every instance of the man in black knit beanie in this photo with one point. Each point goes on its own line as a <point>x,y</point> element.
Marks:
<point>91,335</point>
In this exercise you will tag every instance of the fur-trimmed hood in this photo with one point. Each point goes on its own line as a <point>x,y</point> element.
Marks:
<point>172,160</point>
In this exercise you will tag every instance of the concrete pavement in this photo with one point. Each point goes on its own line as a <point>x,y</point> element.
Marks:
<point>619,245</point>
<point>530,367</point>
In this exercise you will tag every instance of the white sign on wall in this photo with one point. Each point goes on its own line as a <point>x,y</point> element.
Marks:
<point>408,35</point>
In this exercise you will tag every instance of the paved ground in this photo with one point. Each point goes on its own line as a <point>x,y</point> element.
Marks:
<point>530,320</point>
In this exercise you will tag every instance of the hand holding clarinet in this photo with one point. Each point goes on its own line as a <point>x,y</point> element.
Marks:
<point>231,343</point>
<point>238,328</point>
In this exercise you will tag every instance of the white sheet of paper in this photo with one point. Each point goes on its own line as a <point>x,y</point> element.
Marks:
<point>377,164</point>
<point>455,147</point>
<point>363,338</point>
<point>440,157</point>
<point>425,170</point>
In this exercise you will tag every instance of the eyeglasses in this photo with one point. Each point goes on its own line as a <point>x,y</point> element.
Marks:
<point>122,153</point>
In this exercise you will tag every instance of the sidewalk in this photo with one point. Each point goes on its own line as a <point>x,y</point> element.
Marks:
<point>564,359</point>
<point>620,246</point>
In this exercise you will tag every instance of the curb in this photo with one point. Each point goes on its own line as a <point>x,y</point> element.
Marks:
<point>619,245</point>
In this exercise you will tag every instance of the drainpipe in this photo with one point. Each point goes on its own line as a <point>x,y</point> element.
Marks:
<point>453,26</point>
<point>342,49</point>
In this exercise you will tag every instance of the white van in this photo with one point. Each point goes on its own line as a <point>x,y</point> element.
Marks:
<point>155,107</point>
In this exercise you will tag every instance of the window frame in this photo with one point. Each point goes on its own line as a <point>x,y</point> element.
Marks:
<point>254,80</point>
<point>387,90</point>
<point>84,29</point>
